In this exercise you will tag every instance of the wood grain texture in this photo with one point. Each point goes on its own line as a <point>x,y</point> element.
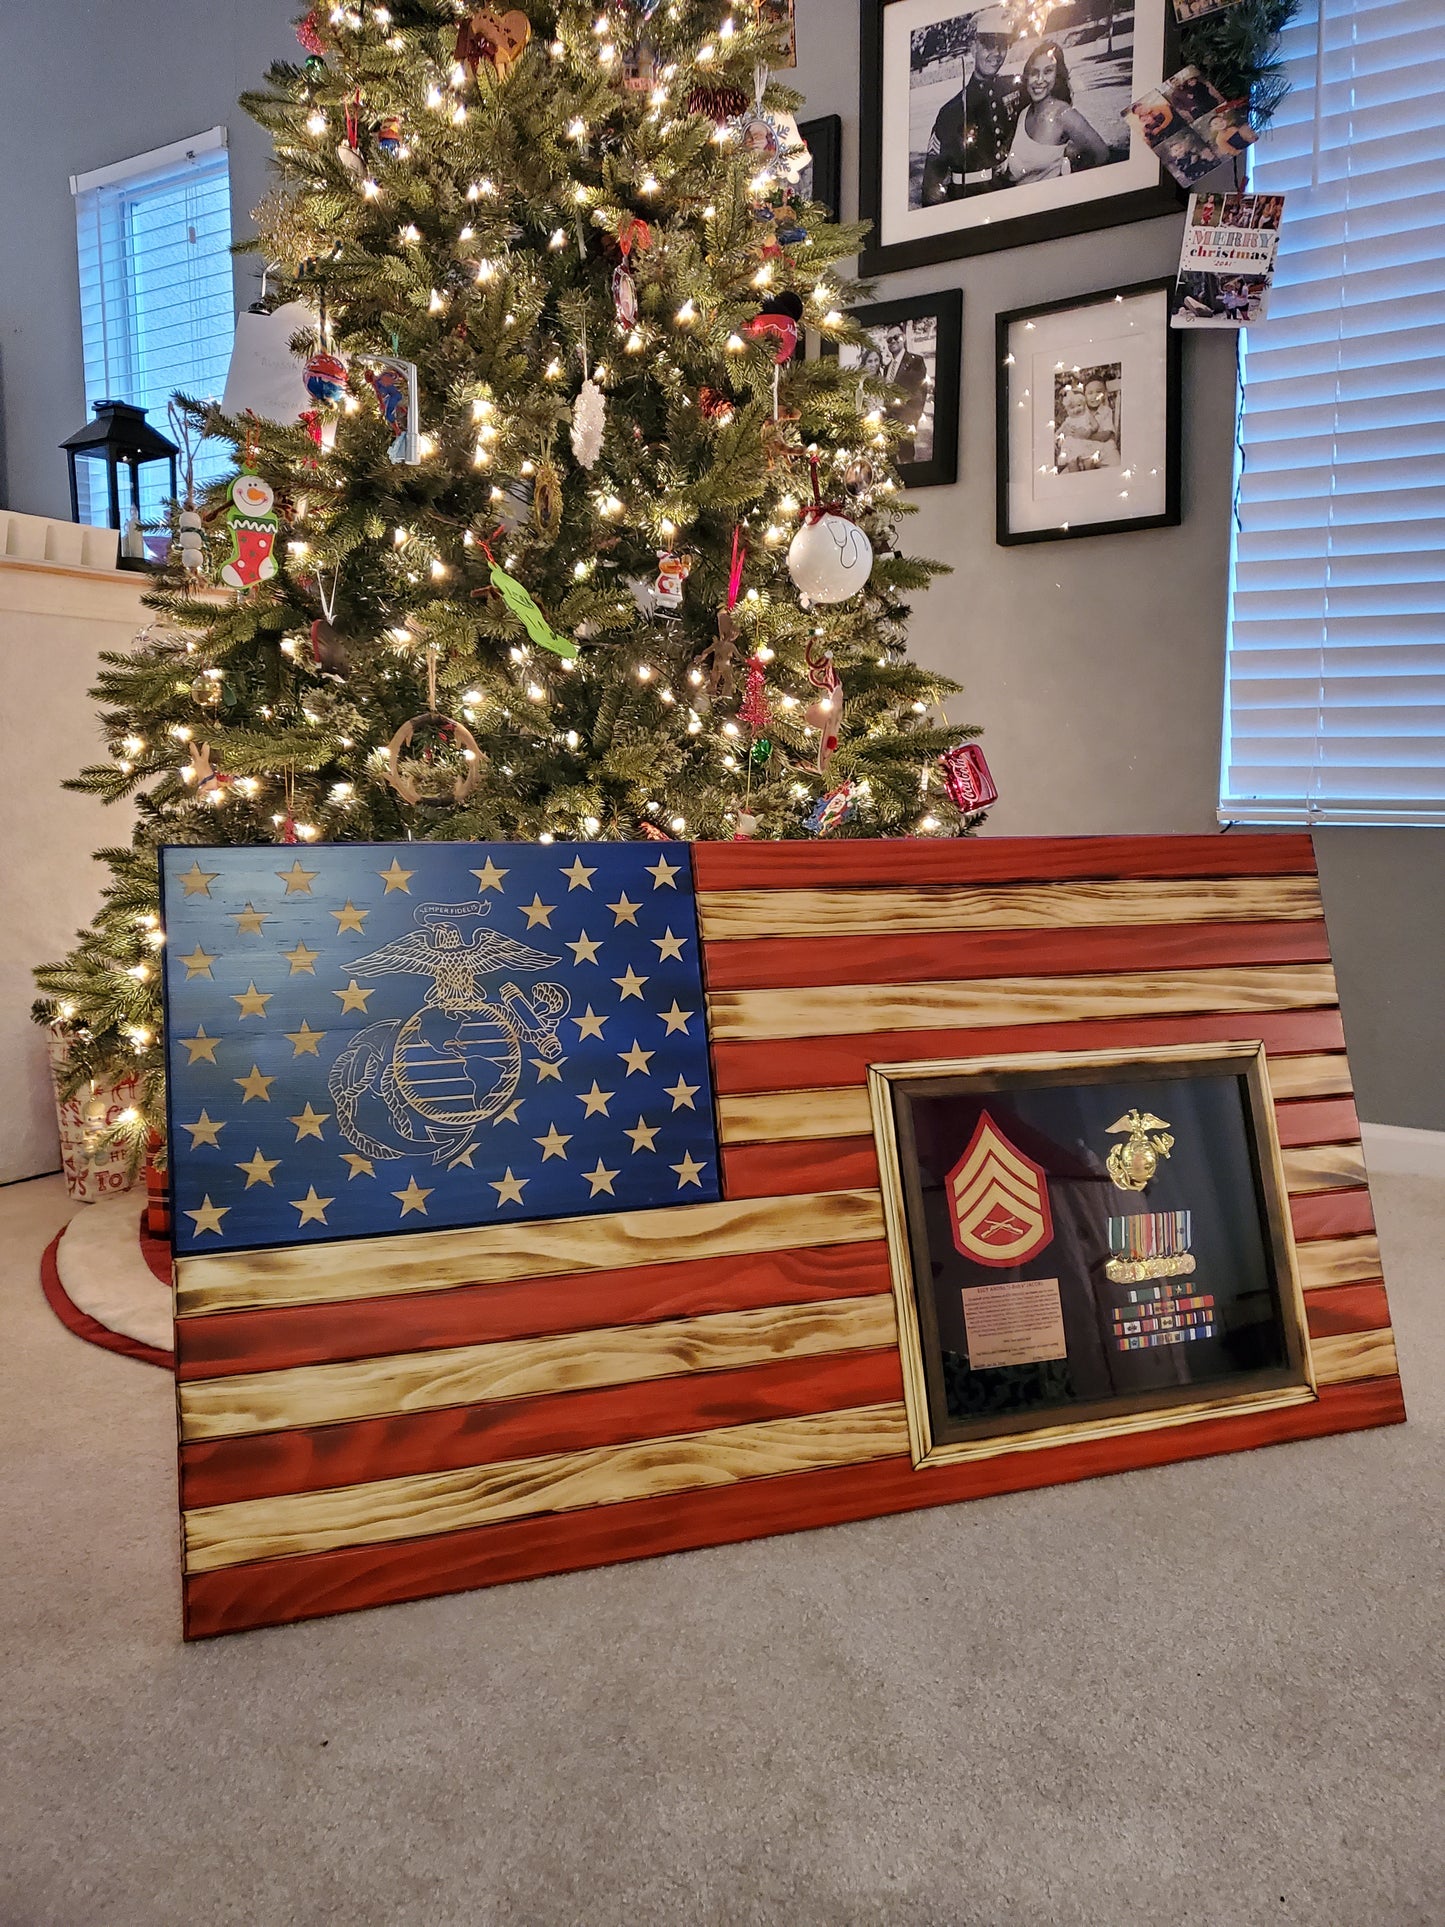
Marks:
<point>826,1062</point>
<point>848,1010</point>
<point>1326,1075</point>
<point>216,1408</point>
<point>414,1507</point>
<point>1343,1358</point>
<point>1346,1308</point>
<point>887,863</point>
<point>770,1170</point>
<point>1338,1261</point>
<point>1331,1214</point>
<point>308,1458</point>
<point>441,1260</point>
<point>270,1340</point>
<point>1323,1167</point>
<point>277,1591</point>
<point>1320,1120</point>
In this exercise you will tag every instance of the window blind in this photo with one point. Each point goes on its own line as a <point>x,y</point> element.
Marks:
<point>157,308</point>
<point>1335,703</point>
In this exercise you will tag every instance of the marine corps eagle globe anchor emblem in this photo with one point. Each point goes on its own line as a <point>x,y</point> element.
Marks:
<point>426,1082</point>
<point>1133,1163</point>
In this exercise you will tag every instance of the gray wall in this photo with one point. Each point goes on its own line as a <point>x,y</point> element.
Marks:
<point>1096,666</point>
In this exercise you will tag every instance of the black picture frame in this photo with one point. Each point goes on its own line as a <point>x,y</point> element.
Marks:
<point>823,138</point>
<point>1162,196</point>
<point>1170,515</point>
<point>945,306</point>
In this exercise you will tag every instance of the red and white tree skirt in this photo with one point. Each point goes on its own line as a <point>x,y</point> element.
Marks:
<point>107,1280</point>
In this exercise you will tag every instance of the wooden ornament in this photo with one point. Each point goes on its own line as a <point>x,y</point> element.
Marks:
<point>547,500</point>
<point>465,783</point>
<point>493,38</point>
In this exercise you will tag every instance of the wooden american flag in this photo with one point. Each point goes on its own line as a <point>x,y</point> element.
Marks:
<point>405,1416</point>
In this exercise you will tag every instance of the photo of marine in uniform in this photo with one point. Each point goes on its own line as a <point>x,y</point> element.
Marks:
<point>1004,96</point>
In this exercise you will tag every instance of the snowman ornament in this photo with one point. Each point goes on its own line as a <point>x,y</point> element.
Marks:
<point>252,524</point>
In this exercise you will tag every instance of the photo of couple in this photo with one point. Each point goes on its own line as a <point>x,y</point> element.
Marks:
<point>903,354</point>
<point>997,102</point>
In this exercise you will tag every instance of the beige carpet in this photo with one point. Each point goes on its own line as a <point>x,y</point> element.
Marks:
<point>1208,1694</point>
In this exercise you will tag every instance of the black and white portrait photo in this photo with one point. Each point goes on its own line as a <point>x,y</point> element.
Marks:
<point>914,347</point>
<point>1087,416</point>
<point>991,116</point>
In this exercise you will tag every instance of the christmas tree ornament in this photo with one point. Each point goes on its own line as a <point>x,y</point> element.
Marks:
<point>309,34</point>
<point>393,382</point>
<point>251,524</point>
<point>825,712</point>
<point>780,331</point>
<point>672,573</point>
<point>521,605</point>
<point>325,378</point>
<point>716,407</point>
<point>389,135</point>
<point>589,418</point>
<point>966,779</point>
<point>838,806</point>
<point>830,558</point>
<point>433,760</point>
<point>547,500</point>
<point>747,827</point>
<point>329,650</point>
<point>859,477</point>
<point>348,148</point>
<point>624,296</point>
<point>210,782</point>
<point>494,40</point>
<point>190,541</point>
<point>754,712</point>
<point>653,834</point>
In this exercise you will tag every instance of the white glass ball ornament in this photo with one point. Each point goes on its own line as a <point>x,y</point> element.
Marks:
<point>830,558</point>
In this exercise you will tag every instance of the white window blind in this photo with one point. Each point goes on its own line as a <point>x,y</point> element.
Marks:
<point>1335,706</point>
<point>157,308</point>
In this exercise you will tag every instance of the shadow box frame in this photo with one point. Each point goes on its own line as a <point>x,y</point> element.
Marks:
<point>1172,514</point>
<point>1291,1384</point>
<point>1162,195</point>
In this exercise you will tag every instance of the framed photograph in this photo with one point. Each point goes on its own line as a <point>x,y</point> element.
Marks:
<point>822,178</point>
<point>1088,416</point>
<point>1087,1243</point>
<point>916,346</point>
<point>984,127</point>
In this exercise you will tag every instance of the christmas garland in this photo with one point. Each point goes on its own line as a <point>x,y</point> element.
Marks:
<point>1237,49</point>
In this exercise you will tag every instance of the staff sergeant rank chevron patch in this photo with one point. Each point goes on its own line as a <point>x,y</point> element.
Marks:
<point>998,1200</point>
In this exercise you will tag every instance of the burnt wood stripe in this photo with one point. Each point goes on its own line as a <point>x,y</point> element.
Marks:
<point>1346,1308</point>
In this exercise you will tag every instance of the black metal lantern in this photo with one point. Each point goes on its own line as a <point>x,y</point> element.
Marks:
<point>119,436</point>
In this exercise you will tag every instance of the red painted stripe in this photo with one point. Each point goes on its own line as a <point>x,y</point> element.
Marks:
<point>1332,1214</point>
<point>811,1164</point>
<point>816,1063</point>
<point>307,1586</point>
<point>773,963</point>
<point>1317,1120</point>
<point>994,859</point>
<point>1341,1309</point>
<point>155,1251</point>
<point>310,1458</point>
<point>83,1325</point>
<point>255,1341</point>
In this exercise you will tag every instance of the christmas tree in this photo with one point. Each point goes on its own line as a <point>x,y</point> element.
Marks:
<point>576,540</point>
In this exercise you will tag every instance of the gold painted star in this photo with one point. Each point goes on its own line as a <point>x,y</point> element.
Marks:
<point>303,959</point>
<point>312,1208</point>
<point>601,1179</point>
<point>309,1123</point>
<point>353,997</point>
<point>297,880</point>
<point>689,1171</point>
<point>538,912</point>
<point>578,876</point>
<point>508,1188</point>
<point>198,964</point>
<point>509,1116</point>
<point>585,949</point>
<point>204,1130</point>
<point>304,1042</point>
<point>624,911</point>
<point>348,917</point>
<point>395,878</point>
<point>196,881</point>
<point>631,984</point>
<point>252,1002</point>
<point>554,1145</point>
<point>595,1100</point>
<point>209,1217</point>
<point>357,1166</point>
<point>489,877</point>
<point>248,921</point>
<point>676,1018</point>
<point>258,1169</point>
<point>545,1070</point>
<point>463,1157</point>
<point>255,1085</point>
<point>200,1046</point>
<point>662,873</point>
<point>682,1095</point>
<point>642,1134</point>
<point>669,945</point>
<point>589,1024</point>
<point>636,1059</point>
<point>413,1198</point>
